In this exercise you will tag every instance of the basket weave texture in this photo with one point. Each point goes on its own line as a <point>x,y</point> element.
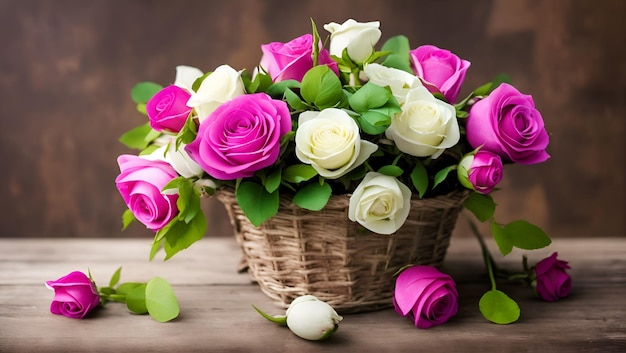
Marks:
<point>323,253</point>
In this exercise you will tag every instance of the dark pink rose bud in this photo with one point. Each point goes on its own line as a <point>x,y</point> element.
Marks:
<point>553,282</point>
<point>426,295</point>
<point>480,171</point>
<point>74,295</point>
<point>168,110</point>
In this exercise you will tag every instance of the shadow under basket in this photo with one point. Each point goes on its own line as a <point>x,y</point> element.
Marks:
<point>324,254</point>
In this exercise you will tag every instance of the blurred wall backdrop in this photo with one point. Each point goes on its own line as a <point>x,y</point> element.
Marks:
<point>67,67</point>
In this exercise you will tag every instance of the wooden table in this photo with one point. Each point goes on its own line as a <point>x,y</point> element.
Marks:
<point>216,313</point>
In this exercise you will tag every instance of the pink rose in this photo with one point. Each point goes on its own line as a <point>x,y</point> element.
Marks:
<point>426,295</point>
<point>553,282</point>
<point>140,183</point>
<point>168,110</point>
<point>481,171</point>
<point>291,60</point>
<point>442,70</point>
<point>241,136</point>
<point>74,295</point>
<point>507,124</point>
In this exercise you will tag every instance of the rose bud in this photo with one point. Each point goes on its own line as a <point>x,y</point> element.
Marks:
<point>552,281</point>
<point>74,295</point>
<point>480,171</point>
<point>425,295</point>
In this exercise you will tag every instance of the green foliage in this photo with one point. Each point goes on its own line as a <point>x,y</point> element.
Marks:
<point>498,307</point>
<point>442,175</point>
<point>136,299</point>
<point>256,202</point>
<point>259,83</point>
<point>481,205</point>
<point>391,170</point>
<point>399,58</point>
<point>277,319</point>
<point>322,88</point>
<point>127,218</point>
<point>142,92</point>
<point>525,235</point>
<point>297,173</point>
<point>160,300</point>
<point>313,196</point>
<point>505,243</point>
<point>139,137</point>
<point>419,178</point>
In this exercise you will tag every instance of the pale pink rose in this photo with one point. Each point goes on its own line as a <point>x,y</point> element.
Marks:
<point>507,123</point>
<point>74,295</point>
<point>481,171</point>
<point>425,295</point>
<point>168,110</point>
<point>291,60</point>
<point>553,281</point>
<point>441,70</point>
<point>241,136</point>
<point>140,183</point>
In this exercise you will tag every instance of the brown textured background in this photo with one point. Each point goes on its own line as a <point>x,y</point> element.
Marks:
<point>67,67</point>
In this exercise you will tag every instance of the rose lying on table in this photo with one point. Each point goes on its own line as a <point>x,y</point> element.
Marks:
<point>76,294</point>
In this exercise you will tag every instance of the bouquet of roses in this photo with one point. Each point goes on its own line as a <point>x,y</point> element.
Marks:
<point>309,122</point>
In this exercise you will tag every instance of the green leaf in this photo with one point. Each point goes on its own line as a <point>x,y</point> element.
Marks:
<point>139,137</point>
<point>143,91</point>
<point>136,299</point>
<point>498,307</point>
<point>369,96</point>
<point>442,175</point>
<point>321,87</point>
<point>273,181</point>
<point>526,236</point>
<point>127,218</point>
<point>298,173</point>
<point>161,302</point>
<point>399,58</point>
<point>294,100</point>
<point>116,277</point>
<point>196,84</point>
<point>277,90</point>
<point>156,246</point>
<point>188,202</point>
<point>256,203</point>
<point>188,132</point>
<point>391,170</point>
<point>313,196</point>
<point>278,319</point>
<point>504,241</point>
<point>316,40</point>
<point>419,178</point>
<point>124,288</point>
<point>481,205</point>
<point>181,235</point>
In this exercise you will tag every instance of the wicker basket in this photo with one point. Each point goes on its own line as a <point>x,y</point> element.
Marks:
<point>323,253</point>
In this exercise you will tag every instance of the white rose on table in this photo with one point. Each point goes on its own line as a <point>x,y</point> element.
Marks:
<point>400,82</point>
<point>380,203</point>
<point>311,318</point>
<point>331,143</point>
<point>359,37</point>
<point>221,85</point>
<point>425,127</point>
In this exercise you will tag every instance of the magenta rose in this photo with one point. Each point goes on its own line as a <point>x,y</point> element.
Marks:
<point>425,295</point>
<point>553,281</point>
<point>168,110</point>
<point>441,70</point>
<point>241,136</point>
<point>291,60</point>
<point>140,183</point>
<point>74,295</point>
<point>507,124</point>
<point>481,171</point>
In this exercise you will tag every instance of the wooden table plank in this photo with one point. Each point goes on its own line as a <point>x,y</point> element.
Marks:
<point>216,313</point>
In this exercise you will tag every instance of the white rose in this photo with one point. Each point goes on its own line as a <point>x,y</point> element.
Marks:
<point>359,38</point>
<point>380,203</point>
<point>311,318</point>
<point>425,127</point>
<point>330,142</point>
<point>220,86</point>
<point>186,76</point>
<point>399,81</point>
<point>178,159</point>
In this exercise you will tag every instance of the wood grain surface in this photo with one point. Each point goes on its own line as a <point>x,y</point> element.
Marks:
<point>67,67</point>
<point>216,313</point>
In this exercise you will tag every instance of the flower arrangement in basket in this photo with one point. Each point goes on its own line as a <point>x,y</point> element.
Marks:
<point>338,167</point>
